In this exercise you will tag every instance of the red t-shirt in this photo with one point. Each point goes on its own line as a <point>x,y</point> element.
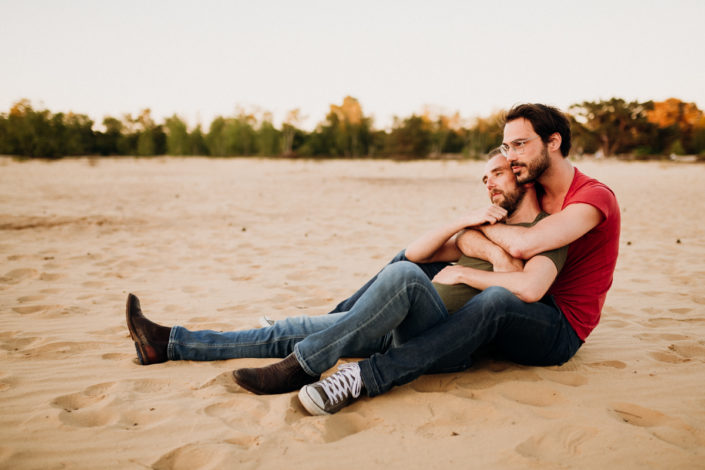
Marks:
<point>581,286</point>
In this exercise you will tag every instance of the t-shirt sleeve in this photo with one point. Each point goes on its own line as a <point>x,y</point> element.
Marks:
<point>558,256</point>
<point>597,195</point>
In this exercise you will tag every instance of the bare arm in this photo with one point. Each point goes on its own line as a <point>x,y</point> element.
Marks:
<point>529,285</point>
<point>475,244</point>
<point>439,244</point>
<point>555,231</point>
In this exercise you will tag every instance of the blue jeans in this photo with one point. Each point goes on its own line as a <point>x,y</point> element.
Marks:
<point>394,306</point>
<point>532,334</point>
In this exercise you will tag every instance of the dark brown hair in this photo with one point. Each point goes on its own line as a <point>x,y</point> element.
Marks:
<point>546,121</point>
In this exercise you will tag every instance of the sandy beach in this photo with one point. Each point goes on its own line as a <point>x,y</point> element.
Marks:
<point>215,243</point>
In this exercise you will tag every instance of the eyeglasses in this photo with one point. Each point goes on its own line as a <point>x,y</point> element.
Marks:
<point>517,146</point>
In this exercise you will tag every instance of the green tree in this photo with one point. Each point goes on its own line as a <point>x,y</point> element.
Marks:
<point>177,136</point>
<point>268,138</point>
<point>345,131</point>
<point>146,134</point>
<point>617,125</point>
<point>484,135</point>
<point>197,142</point>
<point>289,131</point>
<point>215,139</point>
<point>410,138</point>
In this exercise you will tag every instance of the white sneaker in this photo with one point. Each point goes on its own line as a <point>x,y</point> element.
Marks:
<point>329,395</point>
<point>265,321</point>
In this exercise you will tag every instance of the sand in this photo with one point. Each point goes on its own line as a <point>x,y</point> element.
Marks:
<point>217,243</point>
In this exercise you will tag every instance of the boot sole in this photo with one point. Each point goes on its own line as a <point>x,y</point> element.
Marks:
<point>141,353</point>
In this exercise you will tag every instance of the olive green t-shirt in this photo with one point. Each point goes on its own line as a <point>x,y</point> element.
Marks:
<point>456,295</point>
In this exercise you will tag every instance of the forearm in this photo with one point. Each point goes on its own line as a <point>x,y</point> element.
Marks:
<point>425,248</point>
<point>528,288</point>
<point>555,231</point>
<point>511,238</point>
<point>476,245</point>
<point>436,244</point>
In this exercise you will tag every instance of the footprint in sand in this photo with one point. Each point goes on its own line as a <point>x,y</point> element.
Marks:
<point>689,349</point>
<point>31,298</point>
<point>668,357</point>
<point>18,275</point>
<point>29,309</point>
<point>59,350</point>
<point>611,364</point>
<point>14,341</point>
<point>93,284</point>
<point>680,310</point>
<point>657,336</point>
<point>563,377</point>
<point>327,429</point>
<point>669,429</point>
<point>51,276</point>
<point>533,394</point>
<point>194,454</point>
<point>436,383</point>
<point>117,357</point>
<point>7,381</point>
<point>86,408</point>
<point>556,445</point>
<point>192,289</point>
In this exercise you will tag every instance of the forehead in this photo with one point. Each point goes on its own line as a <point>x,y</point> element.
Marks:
<point>518,129</point>
<point>497,162</point>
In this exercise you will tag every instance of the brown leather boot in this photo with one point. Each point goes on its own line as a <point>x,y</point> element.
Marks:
<point>281,377</point>
<point>151,340</point>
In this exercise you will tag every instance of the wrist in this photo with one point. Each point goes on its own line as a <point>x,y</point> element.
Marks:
<point>497,255</point>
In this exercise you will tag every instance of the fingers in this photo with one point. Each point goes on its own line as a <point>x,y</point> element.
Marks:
<point>495,214</point>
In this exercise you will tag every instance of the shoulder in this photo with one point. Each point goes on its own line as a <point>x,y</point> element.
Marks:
<point>586,190</point>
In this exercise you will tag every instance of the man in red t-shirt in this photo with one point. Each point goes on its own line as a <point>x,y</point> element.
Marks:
<point>583,214</point>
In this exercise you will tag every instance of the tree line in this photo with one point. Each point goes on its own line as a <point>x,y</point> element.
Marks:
<point>608,127</point>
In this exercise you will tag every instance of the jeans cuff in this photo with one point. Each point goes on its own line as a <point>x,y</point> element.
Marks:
<point>302,362</point>
<point>368,378</point>
<point>171,346</point>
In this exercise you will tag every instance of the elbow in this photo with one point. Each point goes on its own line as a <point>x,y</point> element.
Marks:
<point>413,257</point>
<point>516,252</point>
<point>522,251</point>
<point>531,294</point>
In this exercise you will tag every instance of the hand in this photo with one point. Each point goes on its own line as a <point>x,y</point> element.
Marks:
<point>488,215</point>
<point>449,275</point>
<point>503,262</point>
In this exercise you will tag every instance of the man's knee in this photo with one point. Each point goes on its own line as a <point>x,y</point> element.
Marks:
<point>402,270</point>
<point>401,256</point>
<point>496,298</point>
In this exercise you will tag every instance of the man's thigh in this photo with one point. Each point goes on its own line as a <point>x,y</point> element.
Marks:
<point>535,334</point>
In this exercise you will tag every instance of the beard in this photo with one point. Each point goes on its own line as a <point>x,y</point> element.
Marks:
<point>535,168</point>
<point>512,199</point>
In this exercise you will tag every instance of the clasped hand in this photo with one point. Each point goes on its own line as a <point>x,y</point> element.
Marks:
<point>487,215</point>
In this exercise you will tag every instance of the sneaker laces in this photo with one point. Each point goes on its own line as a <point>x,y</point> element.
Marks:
<point>346,381</point>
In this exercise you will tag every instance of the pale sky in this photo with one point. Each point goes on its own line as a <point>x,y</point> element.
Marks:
<point>202,59</point>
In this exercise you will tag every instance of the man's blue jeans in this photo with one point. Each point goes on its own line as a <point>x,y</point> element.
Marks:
<point>394,306</point>
<point>400,323</point>
<point>531,334</point>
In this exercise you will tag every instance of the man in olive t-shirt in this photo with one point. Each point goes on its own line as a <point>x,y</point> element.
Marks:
<point>454,296</point>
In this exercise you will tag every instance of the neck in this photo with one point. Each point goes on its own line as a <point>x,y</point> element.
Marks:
<point>555,182</point>
<point>527,210</point>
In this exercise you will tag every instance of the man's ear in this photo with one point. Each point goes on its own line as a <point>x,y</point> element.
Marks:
<point>555,141</point>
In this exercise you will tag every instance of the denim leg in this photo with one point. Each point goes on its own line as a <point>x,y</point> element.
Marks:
<point>430,269</point>
<point>401,299</point>
<point>535,334</point>
<point>277,340</point>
